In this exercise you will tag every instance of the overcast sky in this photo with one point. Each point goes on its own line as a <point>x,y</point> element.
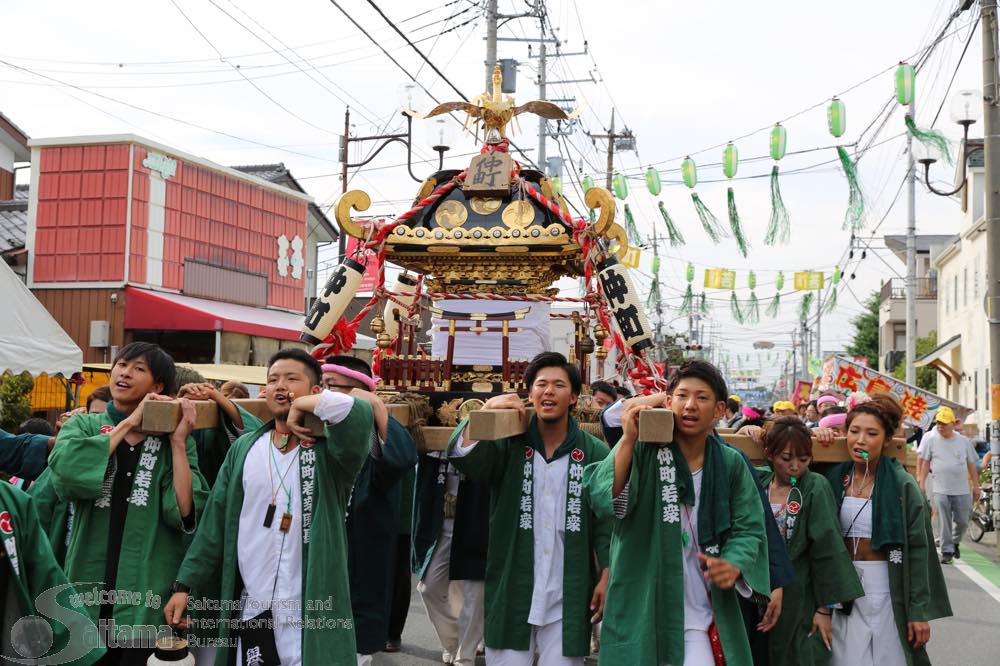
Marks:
<point>683,76</point>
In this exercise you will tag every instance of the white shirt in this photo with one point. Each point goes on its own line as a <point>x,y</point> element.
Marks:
<point>548,508</point>
<point>697,606</point>
<point>260,549</point>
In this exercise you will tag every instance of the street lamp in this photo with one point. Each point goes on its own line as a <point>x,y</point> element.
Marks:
<point>966,110</point>
<point>439,137</point>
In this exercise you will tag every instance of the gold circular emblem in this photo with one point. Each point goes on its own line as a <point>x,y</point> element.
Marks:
<point>518,215</point>
<point>451,214</point>
<point>485,206</point>
<point>469,406</point>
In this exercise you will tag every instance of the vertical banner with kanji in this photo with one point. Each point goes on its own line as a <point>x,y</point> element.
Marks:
<point>919,406</point>
<point>622,299</point>
<point>369,260</point>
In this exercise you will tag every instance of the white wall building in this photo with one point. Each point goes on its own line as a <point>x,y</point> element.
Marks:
<point>962,357</point>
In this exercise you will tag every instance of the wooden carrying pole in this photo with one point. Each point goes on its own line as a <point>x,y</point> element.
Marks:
<point>162,416</point>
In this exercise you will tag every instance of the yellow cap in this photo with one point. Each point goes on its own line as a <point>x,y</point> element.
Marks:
<point>945,415</point>
<point>783,405</point>
<point>736,398</point>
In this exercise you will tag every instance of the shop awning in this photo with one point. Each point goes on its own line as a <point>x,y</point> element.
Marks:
<point>156,310</point>
<point>935,359</point>
<point>30,339</point>
<point>245,374</point>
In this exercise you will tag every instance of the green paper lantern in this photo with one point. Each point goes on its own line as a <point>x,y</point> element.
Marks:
<point>752,280</point>
<point>780,282</point>
<point>588,183</point>
<point>836,274</point>
<point>730,160</point>
<point>656,265</point>
<point>689,171</point>
<point>690,272</point>
<point>653,181</point>
<point>779,139</point>
<point>836,116</point>
<point>906,79</point>
<point>556,183</point>
<point>620,186</point>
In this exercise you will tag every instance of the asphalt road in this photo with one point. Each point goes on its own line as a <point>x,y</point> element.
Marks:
<point>970,638</point>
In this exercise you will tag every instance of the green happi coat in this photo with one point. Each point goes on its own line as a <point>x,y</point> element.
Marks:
<point>644,614</point>
<point>55,514</point>
<point>506,465</point>
<point>154,538</point>
<point>824,574</point>
<point>902,530</point>
<point>327,471</point>
<point>29,571</point>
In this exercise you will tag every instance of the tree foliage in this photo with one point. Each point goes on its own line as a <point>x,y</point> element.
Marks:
<point>926,377</point>
<point>865,341</point>
<point>15,400</point>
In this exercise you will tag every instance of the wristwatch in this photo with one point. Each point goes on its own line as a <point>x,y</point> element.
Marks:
<point>178,586</point>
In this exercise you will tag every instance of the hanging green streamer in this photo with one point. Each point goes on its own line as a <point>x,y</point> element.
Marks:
<point>705,308</point>
<point>734,308</point>
<point>675,235</point>
<point>805,306</point>
<point>775,306</point>
<point>634,238</point>
<point>734,223</point>
<point>687,303</point>
<point>932,139</point>
<point>752,312</point>
<point>855,215</point>
<point>831,302</point>
<point>780,228</point>
<point>709,221</point>
<point>592,215</point>
<point>653,299</point>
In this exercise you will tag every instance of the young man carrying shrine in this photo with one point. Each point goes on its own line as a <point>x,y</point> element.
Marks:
<point>272,538</point>
<point>688,537</point>
<point>542,587</point>
<point>373,508</point>
<point>137,499</point>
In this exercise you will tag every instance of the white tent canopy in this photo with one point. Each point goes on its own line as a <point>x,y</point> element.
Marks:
<point>30,339</point>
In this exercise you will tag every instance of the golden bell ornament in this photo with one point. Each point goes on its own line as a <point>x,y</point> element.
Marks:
<point>377,325</point>
<point>587,345</point>
<point>600,333</point>
<point>383,340</point>
<point>601,353</point>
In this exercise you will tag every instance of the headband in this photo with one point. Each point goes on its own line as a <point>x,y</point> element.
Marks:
<point>750,413</point>
<point>826,399</point>
<point>833,420</point>
<point>370,382</point>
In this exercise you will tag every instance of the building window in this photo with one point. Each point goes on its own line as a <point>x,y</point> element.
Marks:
<point>965,287</point>
<point>975,390</point>
<point>954,290</point>
<point>899,337</point>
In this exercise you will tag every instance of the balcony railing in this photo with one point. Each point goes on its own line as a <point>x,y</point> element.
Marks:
<point>926,288</point>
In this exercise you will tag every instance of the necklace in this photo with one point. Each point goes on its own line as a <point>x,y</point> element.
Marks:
<point>282,439</point>
<point>286,518</point>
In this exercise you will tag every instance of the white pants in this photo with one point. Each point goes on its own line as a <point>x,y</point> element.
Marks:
<point>546,640</point>
<point>868,636</point>
<point>455,608</point>
<point>697,648</point>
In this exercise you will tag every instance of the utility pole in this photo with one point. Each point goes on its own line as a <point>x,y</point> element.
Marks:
<point>491,41</point>
<point>991,152</point>
<point>612,137</point>
<point>819,319</point>
<point>342,237</point>
<point>911,254</point>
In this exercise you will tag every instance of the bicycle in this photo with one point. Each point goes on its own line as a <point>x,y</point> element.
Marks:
<point>981,520</point>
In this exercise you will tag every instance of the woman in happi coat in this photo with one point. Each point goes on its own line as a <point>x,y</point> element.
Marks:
<point>886,525</point>
<point>806,514</point>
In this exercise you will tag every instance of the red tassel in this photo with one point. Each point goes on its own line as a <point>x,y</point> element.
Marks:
<point>340,341</point>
